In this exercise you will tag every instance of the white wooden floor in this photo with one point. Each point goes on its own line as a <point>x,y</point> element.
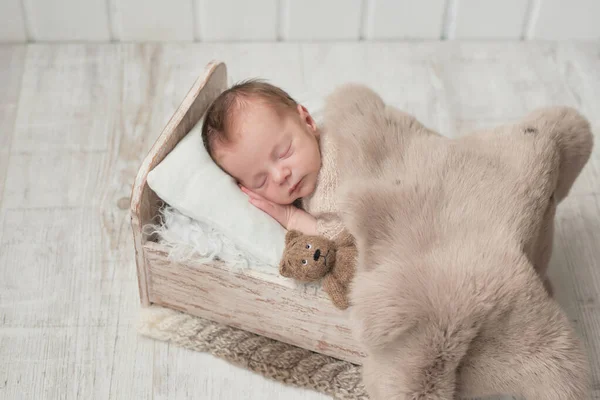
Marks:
<point>76,120</point>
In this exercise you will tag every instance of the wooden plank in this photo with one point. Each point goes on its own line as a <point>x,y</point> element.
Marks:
<point>402,19</point>
<point>31,367</point>
<point>69,98</point>
<point>216,292</point>
<point>12,59</point>
<point>553,21</point>
<point>489,19</point>
<point>521,77</point>
<point>54,269</point>
<point>578,65</point>
<point>74,362</point>
<point>68,20</point>
<point>54,179</point>
<point>60,305</point>
<point>251,21</point>
<point>67,294</point>
<point>574,268</point>
<point>575,275</point>
<point>321,20</point>
<point>181,375</point>
<point>152,20</point>
<point>12,28</point>
<point>406,77</point>
<point>67,113</point>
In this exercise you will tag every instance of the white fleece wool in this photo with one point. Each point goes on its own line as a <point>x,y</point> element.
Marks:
<point>189,239</point>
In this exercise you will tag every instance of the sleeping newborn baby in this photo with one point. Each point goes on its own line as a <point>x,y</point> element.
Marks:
<point>281,159</point>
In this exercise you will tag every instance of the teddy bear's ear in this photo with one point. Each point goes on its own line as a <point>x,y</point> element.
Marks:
<point>291,235</point>
<point>283,269</point>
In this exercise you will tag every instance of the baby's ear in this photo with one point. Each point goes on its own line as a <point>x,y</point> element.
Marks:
<point>307,118</point>
<point>291,235</point>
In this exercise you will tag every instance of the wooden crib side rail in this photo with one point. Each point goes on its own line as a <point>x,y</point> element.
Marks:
<point>144,202</point>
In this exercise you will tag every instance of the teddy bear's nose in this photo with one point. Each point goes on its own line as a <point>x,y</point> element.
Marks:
<point>317,254</point>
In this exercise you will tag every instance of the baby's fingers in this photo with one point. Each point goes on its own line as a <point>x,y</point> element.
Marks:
<point>250,193</point>
<point>267,207</point>
<point>264,205</point>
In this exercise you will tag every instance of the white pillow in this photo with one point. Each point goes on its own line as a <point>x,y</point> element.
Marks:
<point>189,181</point>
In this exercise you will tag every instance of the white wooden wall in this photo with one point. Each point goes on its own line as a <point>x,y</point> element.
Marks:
<point>300,20</point>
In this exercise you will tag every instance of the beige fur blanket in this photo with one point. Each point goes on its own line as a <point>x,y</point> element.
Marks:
<point>454,238</point>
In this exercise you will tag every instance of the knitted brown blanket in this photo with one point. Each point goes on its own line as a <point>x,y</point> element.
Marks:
<point>273,359</point>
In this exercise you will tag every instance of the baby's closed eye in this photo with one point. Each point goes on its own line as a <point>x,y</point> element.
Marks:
<point>262,184</point>
<point>287,152</point>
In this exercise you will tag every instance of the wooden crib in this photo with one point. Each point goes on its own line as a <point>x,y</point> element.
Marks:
<point>257,302</point>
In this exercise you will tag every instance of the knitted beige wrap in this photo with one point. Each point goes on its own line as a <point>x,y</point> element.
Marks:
<point>273,359</point>
<point>322,203</point>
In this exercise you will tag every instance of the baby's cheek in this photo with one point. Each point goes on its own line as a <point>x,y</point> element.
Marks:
<point>310,188</point>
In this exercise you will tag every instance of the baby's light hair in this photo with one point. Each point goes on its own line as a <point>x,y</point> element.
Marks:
<point>219,118</point>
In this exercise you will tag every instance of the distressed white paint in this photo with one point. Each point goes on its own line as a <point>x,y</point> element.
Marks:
<point>558,19</point>
<point>152,20</point>
<point>12,21</point>
<point>68,20</point>
<point>490,19</point>
<point>12,59</point>
<point>59,114</point>
<point>321,20</point>
<point>271,20</point>
<point>233,20</point>
<point>401,19</point>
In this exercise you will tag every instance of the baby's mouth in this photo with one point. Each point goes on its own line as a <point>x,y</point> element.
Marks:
<point>293,188</point>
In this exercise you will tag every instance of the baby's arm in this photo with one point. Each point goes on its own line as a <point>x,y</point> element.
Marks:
<point>303,222</point>
<point>329,225</point>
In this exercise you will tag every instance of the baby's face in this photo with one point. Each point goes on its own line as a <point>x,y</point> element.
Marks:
<point>276,155</point>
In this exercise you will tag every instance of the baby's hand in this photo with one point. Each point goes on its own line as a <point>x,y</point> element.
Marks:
<point>281,213</point>
<point>289,216</point>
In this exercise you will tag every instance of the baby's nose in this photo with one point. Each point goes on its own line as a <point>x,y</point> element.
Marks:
<point>317,254</point>
<point>282,175</point>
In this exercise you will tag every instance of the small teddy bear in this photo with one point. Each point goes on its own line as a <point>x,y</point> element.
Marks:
<point>309,258</point>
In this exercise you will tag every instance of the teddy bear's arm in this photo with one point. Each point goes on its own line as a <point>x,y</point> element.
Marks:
<point>336,291</point>
<point>344,239</point>
<point>346,260</point>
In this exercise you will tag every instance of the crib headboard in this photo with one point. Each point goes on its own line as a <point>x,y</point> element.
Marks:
<point>144,202</point>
